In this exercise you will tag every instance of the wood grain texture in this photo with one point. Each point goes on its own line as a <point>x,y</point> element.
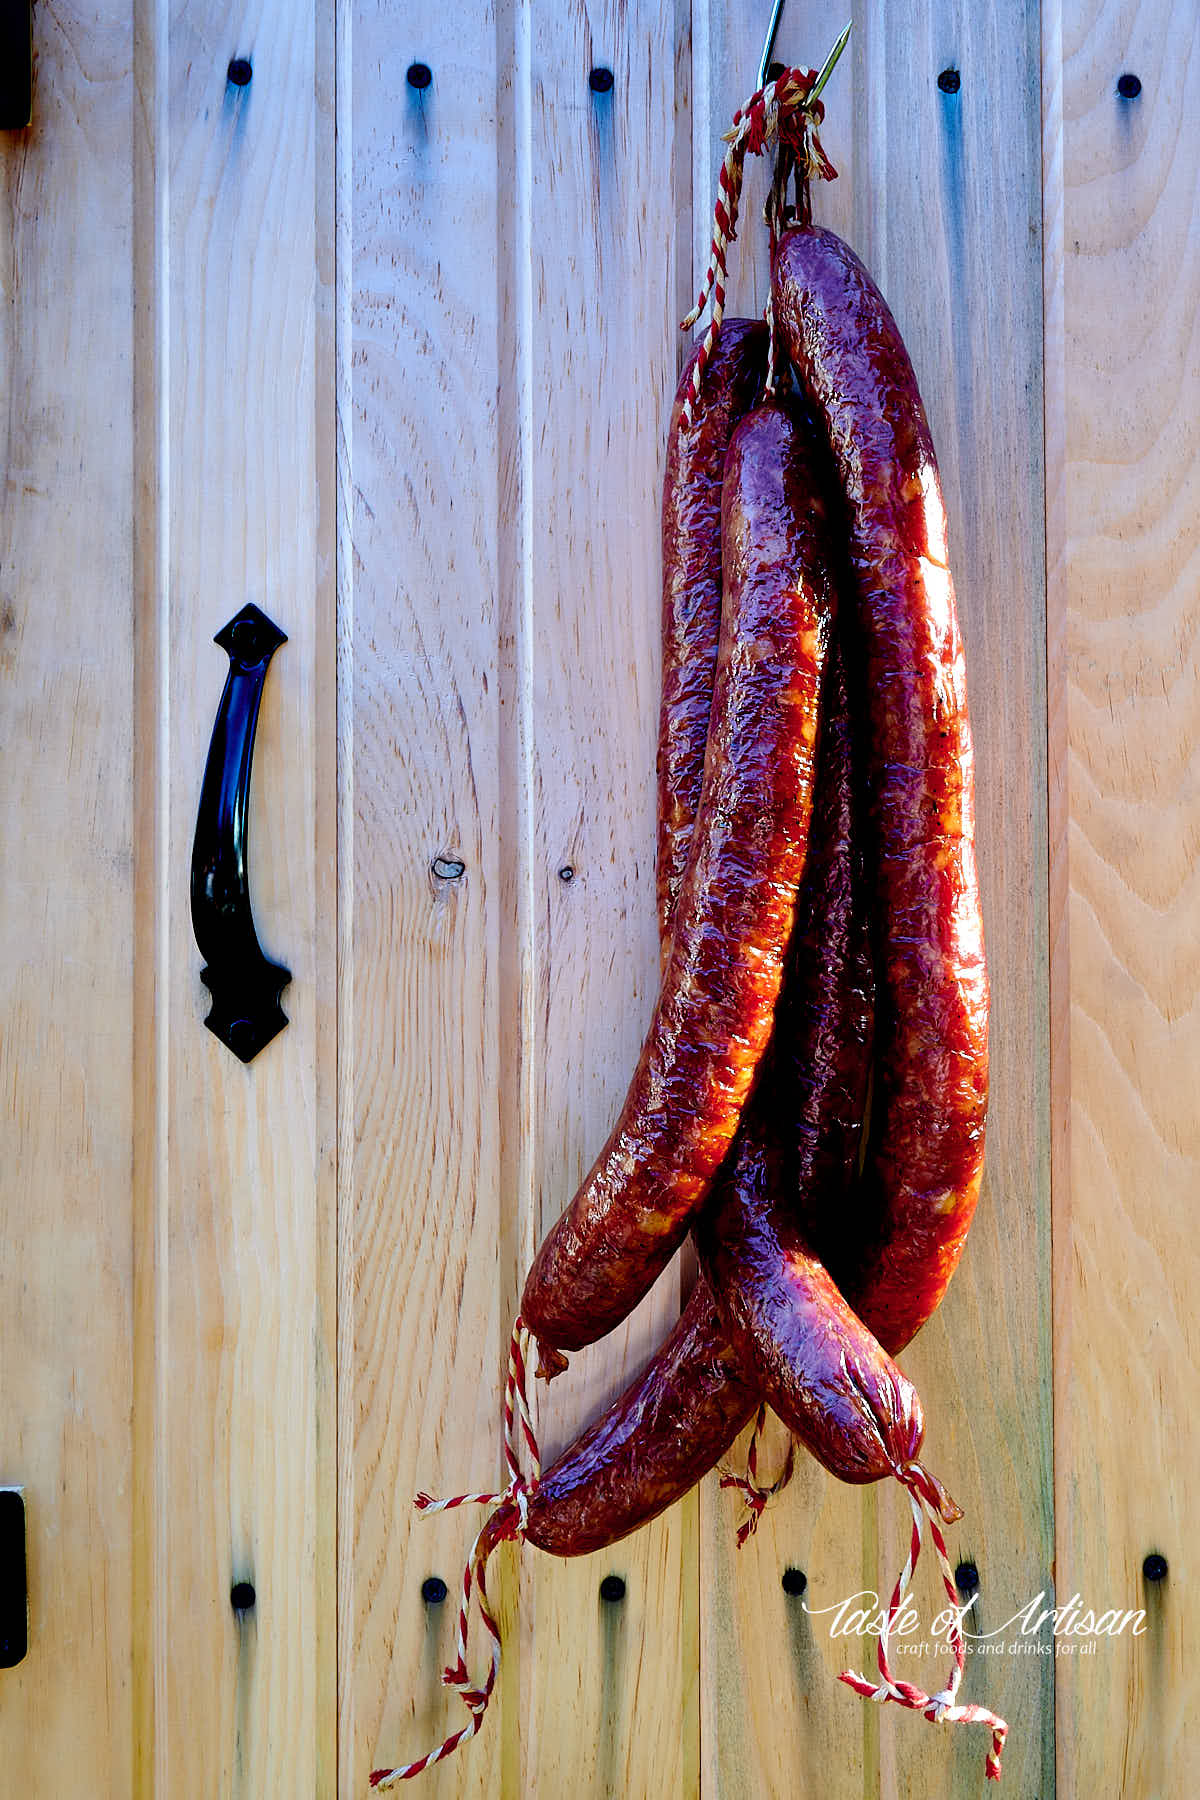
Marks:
<point>513,250</point>
<point>421,1332</point>
<point>67,901</point>
<point>935,191</point>
<point>237,1247</point>
<point>1123,274</point>
<point>597,223</point>
<point>522,644</point>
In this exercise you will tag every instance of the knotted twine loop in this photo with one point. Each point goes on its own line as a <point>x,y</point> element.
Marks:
<point>756,1495</point>
<point>779,113</point>
<point>508,1523</point>
<point>928,1500</point>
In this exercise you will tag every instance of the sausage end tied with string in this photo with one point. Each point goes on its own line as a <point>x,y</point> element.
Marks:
<point>755,1493</point>
<point>505,1524</point>
<point>930,1503</point>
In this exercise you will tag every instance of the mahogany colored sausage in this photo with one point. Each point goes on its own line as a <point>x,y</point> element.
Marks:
<point>736,906</point>
<point>825,1022</point>
<point>796,1156</point>
<point>651,1447</point>
<point>792,1332</point>
<point>811,1358</point>
<point>926,1152</point>
<point>691,588</point>
<point>679,1417</point>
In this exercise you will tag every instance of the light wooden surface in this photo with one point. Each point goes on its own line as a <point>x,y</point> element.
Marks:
<point>421,1308</point>
<point>235,1198</point>
<point>396,365</point>
<point>167,1269</point>
<point>68,729</point>
<point>594,380</point>
<point>1123,451</point>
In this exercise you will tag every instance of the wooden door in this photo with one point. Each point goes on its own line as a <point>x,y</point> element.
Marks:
<point>368,315</point>
<point>168,1265</point>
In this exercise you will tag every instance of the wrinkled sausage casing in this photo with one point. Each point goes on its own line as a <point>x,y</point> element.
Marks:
<point>736,906</point>
<point>825,1021</point>
<point>691,590</point>
<point>796,1156</point>
<point>811,1358</point>
<point>683,1411</point>
<point>652,1445</point>
<point>930,1099</point>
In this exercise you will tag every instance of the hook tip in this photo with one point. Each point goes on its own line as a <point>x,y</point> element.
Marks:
<point>772,31</point>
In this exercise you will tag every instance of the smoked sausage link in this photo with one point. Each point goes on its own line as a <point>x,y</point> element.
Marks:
<point>810,1357</point>
<point>651,1447</point>
<point>736,906</point>
<point>825,1022</point>
<point>683,1411</point>
<point>691,588</point>
<point>796,1155</point>
<point>925,1157</point>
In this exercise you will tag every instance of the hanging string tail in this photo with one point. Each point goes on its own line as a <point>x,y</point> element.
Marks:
<point>506,1524</point>
<point>755,1493</point>
<point>930,1503</point>
<point>785,113</point>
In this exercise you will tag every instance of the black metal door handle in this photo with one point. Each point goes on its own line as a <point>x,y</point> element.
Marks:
<point>16,64</point>
<point>245,985</point>
<point>14,1589</point>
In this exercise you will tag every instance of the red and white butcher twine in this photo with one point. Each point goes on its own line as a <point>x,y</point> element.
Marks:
<point>778,114</point>
<point>941,1708</point>
<point>475,1696</point>
<point>755,1493</point>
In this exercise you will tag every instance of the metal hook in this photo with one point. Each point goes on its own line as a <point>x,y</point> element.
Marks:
<point>772,28</point>
<point>827,67</point>
<point>830,63</point>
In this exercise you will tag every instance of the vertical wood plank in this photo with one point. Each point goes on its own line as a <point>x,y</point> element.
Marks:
<point>1122,284</point>
<point>67,897</point>
<point>956,199</point>
<point>239,1211</point>
<point>541,696</point>
<point>420,1329</point>
<point>605,1694</point>
<point>936,192</point>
